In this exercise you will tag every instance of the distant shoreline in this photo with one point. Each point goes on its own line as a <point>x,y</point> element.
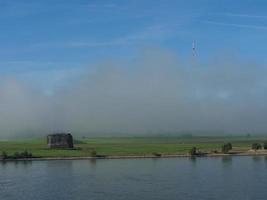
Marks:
<point>249,153</point>
<point>131,148</point>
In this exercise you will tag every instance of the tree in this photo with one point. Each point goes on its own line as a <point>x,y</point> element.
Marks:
<point>4,155</point>
<point>93,153</point>
<point>193,151</point>
<point>156,154</point>
<point>226,147</point>
<point>265,145</point>
<point>256,146</point>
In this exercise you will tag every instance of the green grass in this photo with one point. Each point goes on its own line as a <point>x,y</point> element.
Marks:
<point>129,146</point>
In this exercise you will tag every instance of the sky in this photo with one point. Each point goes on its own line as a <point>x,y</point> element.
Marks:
<point>53,50</point>
<point>54,35</point>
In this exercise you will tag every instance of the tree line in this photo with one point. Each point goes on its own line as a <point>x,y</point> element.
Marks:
<point>227,147</point>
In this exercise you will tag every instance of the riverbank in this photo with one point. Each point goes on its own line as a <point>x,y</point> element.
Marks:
<point>248,153</point>
<point>132,147</point>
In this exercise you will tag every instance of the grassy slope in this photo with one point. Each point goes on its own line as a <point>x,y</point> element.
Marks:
<point>128,146</point>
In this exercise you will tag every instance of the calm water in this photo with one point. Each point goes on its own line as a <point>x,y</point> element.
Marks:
<point>174,178</point>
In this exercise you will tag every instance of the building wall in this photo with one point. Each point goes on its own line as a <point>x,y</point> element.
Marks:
<point>60,141</point>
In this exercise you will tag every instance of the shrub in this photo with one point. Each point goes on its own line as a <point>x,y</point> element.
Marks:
<point>265,145</point>
<point>226,147</point>
<point>93,153</point>
<point>193,151</point>
<point>4,155</point>
<point>214,151</point>
<point>16,155</point>
<point>156,154</point>
<point>24,154</point>
<point>256,146</point>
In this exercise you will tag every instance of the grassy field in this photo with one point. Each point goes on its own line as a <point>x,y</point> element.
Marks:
<point>129,146</point>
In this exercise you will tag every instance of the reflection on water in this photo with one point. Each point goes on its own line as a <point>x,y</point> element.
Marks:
<point>172,178</point>
<point>93,162</point>
<point>257,158</point>
<point>227,161</point>
<point>16,164</point>
<point>193,160</point>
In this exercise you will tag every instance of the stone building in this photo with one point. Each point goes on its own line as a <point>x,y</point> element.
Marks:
<point>60,140</point>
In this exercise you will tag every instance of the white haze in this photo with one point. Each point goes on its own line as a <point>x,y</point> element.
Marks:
<point>155,93</point>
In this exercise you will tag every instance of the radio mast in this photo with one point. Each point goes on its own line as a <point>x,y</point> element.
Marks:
<point>194,49</point>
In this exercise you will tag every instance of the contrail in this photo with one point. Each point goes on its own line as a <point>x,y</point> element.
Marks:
<point>240,15</point>
<point>235,25</point>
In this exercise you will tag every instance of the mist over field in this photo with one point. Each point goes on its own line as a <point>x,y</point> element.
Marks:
<point>154,93</point>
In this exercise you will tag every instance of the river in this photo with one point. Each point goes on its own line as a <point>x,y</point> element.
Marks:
<point>161,178</point>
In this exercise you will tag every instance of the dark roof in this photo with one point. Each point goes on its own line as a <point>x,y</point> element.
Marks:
<point>59,134</point>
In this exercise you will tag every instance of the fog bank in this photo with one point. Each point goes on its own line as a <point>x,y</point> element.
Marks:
<point>154,93</point>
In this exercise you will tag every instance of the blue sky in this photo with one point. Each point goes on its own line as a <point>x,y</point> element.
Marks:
<point>50,38</point>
